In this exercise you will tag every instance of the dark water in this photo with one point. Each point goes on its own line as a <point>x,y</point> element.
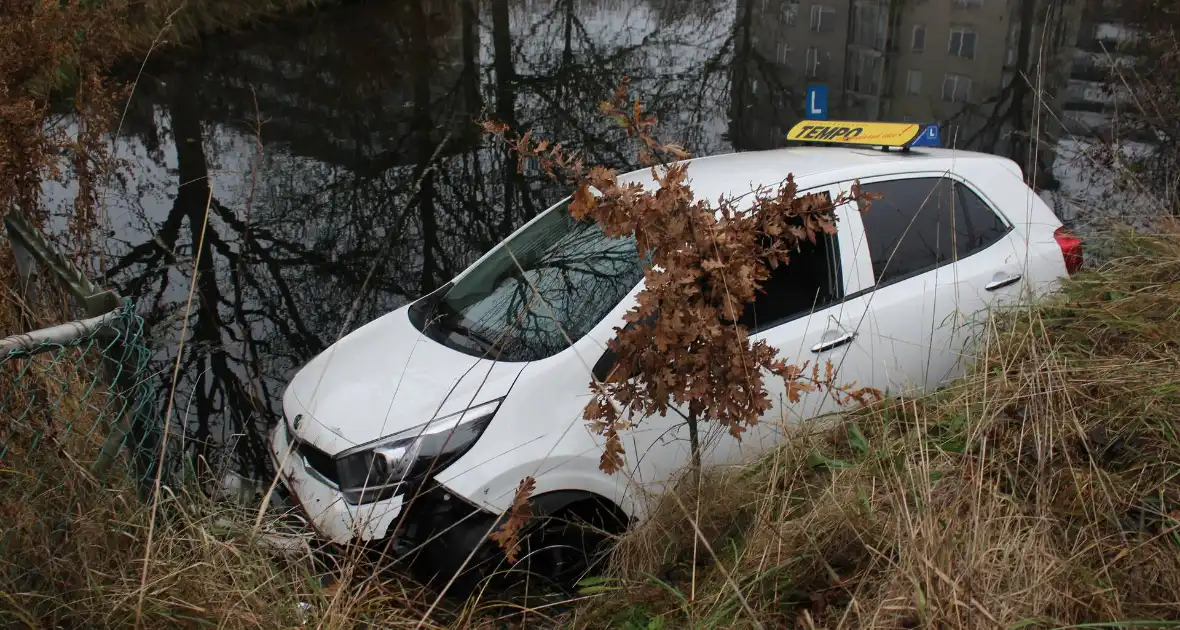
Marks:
<point>347,175</point>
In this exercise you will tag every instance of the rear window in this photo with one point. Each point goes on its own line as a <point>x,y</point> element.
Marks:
<point>923,223</point>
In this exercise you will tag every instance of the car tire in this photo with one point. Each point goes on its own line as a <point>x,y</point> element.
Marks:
<point>459,559</point>
<point>556,551</point>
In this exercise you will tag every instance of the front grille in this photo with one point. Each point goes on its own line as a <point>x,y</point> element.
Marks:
<point>320,461</point>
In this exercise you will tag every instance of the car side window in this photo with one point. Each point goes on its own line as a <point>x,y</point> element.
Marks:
<point>982,225</point>
<point>922,223</point>
<point>810,281</point>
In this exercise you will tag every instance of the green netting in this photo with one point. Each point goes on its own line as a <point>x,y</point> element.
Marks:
<point>84,403</point>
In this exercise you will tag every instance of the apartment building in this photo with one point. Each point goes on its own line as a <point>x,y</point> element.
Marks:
<point>948,54</point>
<point>781,46</point>
<point>1104,50</point>
<point>946,61</point>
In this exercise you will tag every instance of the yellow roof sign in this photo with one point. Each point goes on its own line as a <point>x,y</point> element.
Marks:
<point>844,132</point>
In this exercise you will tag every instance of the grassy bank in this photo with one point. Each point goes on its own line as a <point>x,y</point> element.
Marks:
<point>1040,492</point>
<point>73,549</point>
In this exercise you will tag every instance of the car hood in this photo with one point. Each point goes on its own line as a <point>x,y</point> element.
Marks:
<point>383,378</point>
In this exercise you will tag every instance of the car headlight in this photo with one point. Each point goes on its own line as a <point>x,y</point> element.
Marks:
<point>374,471</point>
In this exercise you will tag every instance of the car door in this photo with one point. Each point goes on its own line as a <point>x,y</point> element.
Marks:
<point>941,256</point>
<point>806,313</point>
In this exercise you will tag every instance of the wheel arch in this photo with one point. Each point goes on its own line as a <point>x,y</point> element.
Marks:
<point>591,506</point>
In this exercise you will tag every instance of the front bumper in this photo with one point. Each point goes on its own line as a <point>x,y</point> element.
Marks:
<point>333,518</point>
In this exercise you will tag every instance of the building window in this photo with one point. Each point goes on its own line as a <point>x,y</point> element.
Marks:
<point>918,41</point>
<point>814,69</point>
<point>822,19</point>
<point>790,12</point>
<point>782,52</point>
<point>863,73</point>
<point>956,88</point>
<point>962,42</point>
<point>1061,34</point>
<point>868,24</point>
<point>1013,43</point>
<point>913,82</point>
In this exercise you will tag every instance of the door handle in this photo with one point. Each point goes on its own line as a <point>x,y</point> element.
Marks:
<point>835,343</point>
<point>1001,282</point>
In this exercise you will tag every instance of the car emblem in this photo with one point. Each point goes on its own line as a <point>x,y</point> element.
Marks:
<point>296,421</point>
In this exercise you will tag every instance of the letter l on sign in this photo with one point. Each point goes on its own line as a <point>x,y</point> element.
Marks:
<point>817,102</point>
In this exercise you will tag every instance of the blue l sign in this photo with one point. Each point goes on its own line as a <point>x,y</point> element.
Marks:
<point>928,137</point>
<point>817,102</point>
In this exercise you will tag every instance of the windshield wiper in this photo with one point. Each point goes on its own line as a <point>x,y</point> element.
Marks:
<point>446,319</point>
<point>485,345</point>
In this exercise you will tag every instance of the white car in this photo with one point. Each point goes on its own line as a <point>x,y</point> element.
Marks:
<point>408,429</point>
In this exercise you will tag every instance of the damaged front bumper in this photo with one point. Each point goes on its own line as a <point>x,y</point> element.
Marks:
<point>426,526</point>
<point>330,515</point>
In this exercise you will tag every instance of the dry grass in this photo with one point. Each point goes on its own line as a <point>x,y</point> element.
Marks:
<point>1038,492</point>
<point>72,548</point>
<point>1041,491</point>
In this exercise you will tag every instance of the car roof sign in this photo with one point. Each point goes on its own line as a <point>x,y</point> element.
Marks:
<point>844,132</point>
<point>931,136</point>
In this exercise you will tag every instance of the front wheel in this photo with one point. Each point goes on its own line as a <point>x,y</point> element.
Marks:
<point>560,550</point>
<point>555,552</point>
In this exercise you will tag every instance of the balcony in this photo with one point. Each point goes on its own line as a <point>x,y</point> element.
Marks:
<point>1100,66</point>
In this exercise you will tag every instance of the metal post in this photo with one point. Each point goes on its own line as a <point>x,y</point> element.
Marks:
<point>103,307</point>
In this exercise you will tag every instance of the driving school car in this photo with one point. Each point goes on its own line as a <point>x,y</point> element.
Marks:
<point>406,430</point>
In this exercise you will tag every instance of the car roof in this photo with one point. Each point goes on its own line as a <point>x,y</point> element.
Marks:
<point>738,173</point>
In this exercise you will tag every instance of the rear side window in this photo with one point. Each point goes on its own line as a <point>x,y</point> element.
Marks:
<point>923,223</point>
<point>981,225</point>
<point>811,281</point>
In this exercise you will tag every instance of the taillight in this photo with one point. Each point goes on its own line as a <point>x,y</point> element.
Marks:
<point>1071,249</point>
